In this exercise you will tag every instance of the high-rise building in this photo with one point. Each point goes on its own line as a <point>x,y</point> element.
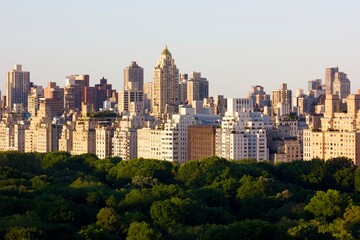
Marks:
<point>315,84</point>
<point>242,135</point>
<point>104,134</point>
<point>337,82</point>
<point>17,87</point>
<point>148,95</point>
<point>42,135</point>
<point>74,91</point>
<point>259,96</point>
<point>35,93</point>
<point>134,77</point>
<point>124,142</point>
<point>54,98</point>
<point>131,101</point>
<point>12,132</point>
<point>339,135</point>
<point>103,92</point>
<point>281,100</point>
<point>201,142</point>
<point>183,88</point>
<point>170,142</point>
<point>197,87</point>
<point>165,98</point>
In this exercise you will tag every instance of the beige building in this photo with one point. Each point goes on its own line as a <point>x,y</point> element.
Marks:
<point>104,134</point>
<point>12,132</point>
<point>17,87</point>
<point>149,143</point>
<point>259,96</point>
<point>281,98</point>
<point>84,136</point>
<point>134,77</point>
<point>124,142</point>
<point>35,94</point>
<point>337,83</point>
<point>165,99</point>
<point>66,137</point>
<point>148,95</point>
<point>41,136</point>
<point>131,101</point>
<point>290,150</point>
<point>339,134</point>
<point>197,87</point>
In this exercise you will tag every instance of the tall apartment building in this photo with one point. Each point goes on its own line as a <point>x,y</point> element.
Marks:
<point>337,82</point>
<point>104,133</point>
<point>339,134</point>
<point>131,99</point>
<point>242,135</point>
<point>84,134</point>
<point>197,87</point>
<point>35,94</point>
<point>17,87</point>
<point>148,95</point>
<point>201,142</point>
<point>134,77</point>
<point>12,132</point>
<point>259,97</point>
<point>165,99</point>
<point>124,142</point>
<point>74,91</point>
<point>217,104</point>
<point>41,136</point>
<point>281,100</point>
<point>183,88</point>
<point>103,92</point>
<point>315,84</point>
<point>170,141</point>
<point>54,99</point>
<point>149,143</point>
<point>66,137</point>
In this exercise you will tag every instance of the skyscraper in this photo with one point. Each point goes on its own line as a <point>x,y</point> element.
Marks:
<point>337,82</point>
<point>17,87</point>
<point>131,99</point>
<point>134,77</point>
<point>281,98</point>
<point>74,91</point>
<point>197,87</point>
<point>165,98</point>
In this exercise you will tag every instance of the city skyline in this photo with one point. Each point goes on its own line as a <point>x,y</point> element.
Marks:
<point>235,45</point>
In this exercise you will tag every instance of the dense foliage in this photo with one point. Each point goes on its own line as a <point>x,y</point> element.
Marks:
<point>59,196</point>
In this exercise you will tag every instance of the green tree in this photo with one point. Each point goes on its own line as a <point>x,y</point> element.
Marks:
<point>309,231</point>
<point>142,231</point>
<point>21,233</point>
<point>95,232</point>
<point>327,206</point>
<point>357,180</point>
<point>109,219</point>
<point>251,188</point>
<point>55,159</point>
<point>167,214</point>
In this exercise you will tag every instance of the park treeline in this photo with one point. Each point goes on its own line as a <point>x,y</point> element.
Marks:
<point>59,196</point>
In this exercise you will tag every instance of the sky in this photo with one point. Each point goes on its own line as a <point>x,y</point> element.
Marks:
<point>234,44</point>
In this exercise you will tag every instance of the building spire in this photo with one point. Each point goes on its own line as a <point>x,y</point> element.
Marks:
<point>165,51</point>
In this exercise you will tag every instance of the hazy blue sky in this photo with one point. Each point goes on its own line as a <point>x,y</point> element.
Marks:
<point>235,44</point>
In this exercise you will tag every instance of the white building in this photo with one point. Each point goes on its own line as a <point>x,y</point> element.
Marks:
<point>242,134</point>
<point>170,141</point>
